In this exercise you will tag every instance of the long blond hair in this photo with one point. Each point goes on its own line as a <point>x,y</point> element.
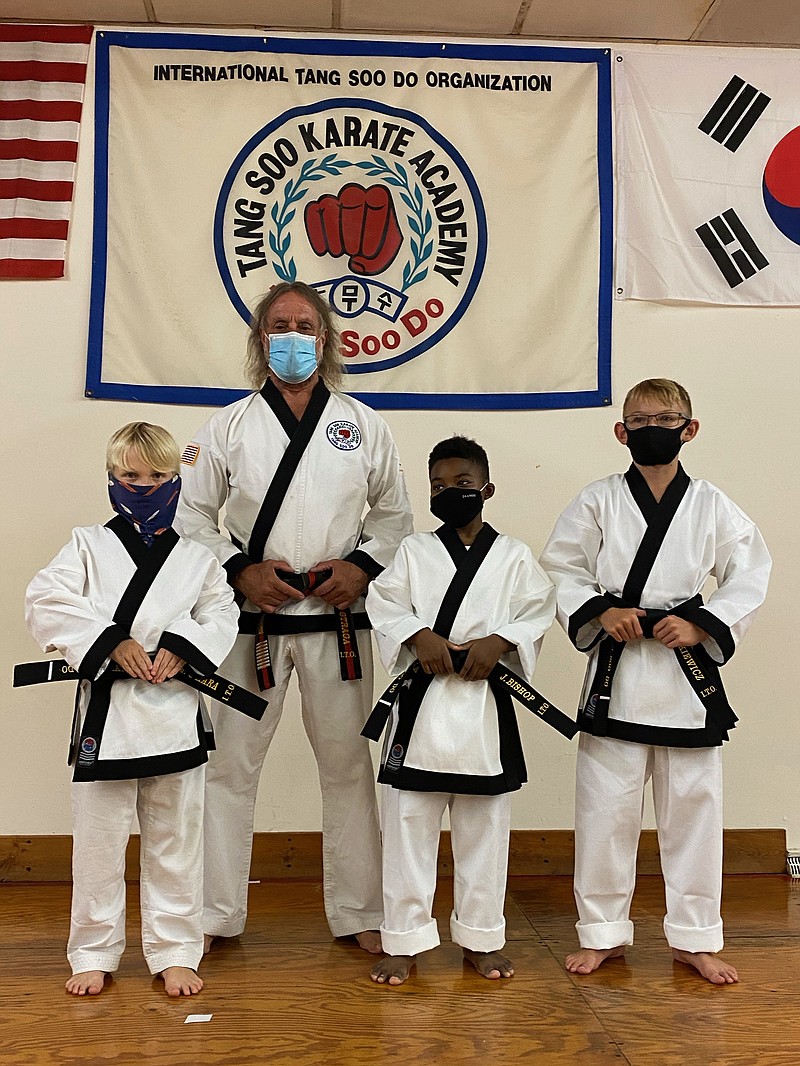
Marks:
<point>255,362</point>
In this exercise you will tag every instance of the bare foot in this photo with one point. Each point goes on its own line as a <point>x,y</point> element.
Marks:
<point>708,965</point>
<point>392,970</point>
<point>370,940</point>
<point>208,940</point>
<point>181,981</point>
<point>89,983</point>
<point>491,964</point>
<point>587,960</point>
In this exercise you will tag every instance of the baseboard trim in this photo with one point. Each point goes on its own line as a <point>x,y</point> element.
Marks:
<point>298,855</point>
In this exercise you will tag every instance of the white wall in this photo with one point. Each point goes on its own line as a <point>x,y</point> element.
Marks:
<point>739,364</point>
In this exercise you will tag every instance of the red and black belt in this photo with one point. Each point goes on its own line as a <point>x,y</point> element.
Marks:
<point>343,623</point>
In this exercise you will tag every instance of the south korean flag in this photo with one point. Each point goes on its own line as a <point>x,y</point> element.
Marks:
<point>708,175</point>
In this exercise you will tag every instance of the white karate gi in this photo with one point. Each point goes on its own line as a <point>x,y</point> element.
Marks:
<point>347,499</point>
<point>589,554</point>
<point>151,749</point>
<point>455,740</point>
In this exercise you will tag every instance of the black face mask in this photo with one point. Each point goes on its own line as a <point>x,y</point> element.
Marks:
<point>654,445</point>
<point>457,507</point>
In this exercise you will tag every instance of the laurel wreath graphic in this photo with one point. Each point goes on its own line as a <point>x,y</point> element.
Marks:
<point>279,239</point>
<point>419,219</point>
<point>420,223</point>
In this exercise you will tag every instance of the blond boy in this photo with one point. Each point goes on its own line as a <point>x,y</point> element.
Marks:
<point>133,593</point>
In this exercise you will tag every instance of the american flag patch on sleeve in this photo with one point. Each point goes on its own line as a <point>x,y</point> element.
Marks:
<point>190,454</point>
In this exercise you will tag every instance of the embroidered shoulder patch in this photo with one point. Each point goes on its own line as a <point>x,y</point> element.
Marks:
<point>190,454</point>
<point>344,435</point>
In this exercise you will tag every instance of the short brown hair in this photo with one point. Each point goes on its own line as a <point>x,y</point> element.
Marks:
<point>155,445</point>
<point>663,389</point>
<point>255,363</point>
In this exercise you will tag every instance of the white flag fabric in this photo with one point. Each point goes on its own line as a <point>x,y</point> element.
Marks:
<point>452,201</point>
<point>42,75</point>
<point>708,175</point>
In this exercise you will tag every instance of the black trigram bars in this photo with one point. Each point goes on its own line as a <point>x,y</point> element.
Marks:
<point>744,261</point>
<point>734,113</point>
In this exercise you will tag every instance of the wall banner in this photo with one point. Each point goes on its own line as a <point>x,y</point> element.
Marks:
<point>453,202</point>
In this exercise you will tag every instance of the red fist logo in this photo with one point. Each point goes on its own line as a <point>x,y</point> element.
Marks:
<point>360,223</point>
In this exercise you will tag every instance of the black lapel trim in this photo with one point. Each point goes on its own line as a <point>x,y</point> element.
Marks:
<point>640,490</point>
<point>280,408</point>
<point>467,564</point>
<point>658,517</point>
<point>131,540</point>
<point>147,567</point>
<point>290,460</point>
<point>456,548</point>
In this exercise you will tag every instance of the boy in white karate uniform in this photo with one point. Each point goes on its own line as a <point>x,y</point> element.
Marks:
<point>630,557</point>
<point>453,741</point>
<point>121,593</point>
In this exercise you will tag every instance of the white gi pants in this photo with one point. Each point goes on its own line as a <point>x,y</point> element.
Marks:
<point>334,712</point>
<point>479,834</point>
<point>687,796</point>
<point>170,810</point>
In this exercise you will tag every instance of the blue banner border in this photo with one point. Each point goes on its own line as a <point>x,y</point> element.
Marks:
<point>96,388</point>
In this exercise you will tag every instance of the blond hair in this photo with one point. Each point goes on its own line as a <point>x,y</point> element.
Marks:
<point>664,390</point>
<point>255,362</point>
<point>154,444</point>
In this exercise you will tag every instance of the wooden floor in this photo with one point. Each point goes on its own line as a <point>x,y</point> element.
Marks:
<point>286,993</point>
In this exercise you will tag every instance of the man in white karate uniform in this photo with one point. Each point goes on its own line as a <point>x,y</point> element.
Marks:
<point>315,506</point>
<point>630,557</point>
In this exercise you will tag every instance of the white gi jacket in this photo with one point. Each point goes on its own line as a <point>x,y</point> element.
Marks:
<point>589,555</point>
<point>147,729</point>
<point>347,499</point>
<point>456,736</point>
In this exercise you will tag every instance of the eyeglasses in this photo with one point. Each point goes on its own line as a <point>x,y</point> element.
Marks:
<point>665,420</point>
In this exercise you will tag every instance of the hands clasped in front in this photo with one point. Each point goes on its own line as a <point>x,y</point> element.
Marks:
<point>622,623</point>
<point>261,585</point>
<point>134,660</point>
<point>483,653</point>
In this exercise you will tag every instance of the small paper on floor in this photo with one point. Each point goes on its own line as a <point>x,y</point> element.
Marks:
<point>198,1018</point>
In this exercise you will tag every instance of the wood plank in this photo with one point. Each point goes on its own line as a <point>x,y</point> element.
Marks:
<point>291,855</point>
<point>286,993</point>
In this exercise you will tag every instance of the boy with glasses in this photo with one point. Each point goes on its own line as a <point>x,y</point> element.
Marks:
<point>630,557</point>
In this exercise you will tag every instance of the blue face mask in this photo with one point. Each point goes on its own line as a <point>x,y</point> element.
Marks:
<point>150,509</point>
<point>292,356</point>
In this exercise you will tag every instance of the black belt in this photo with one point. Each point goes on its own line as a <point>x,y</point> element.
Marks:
<point>291,624</point>
<point>218,688</point>
<point>343,623</point>
<point>500,676</point>
<point>698,667</point>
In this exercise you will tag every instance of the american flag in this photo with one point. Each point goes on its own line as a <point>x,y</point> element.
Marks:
<point>42,74</point>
